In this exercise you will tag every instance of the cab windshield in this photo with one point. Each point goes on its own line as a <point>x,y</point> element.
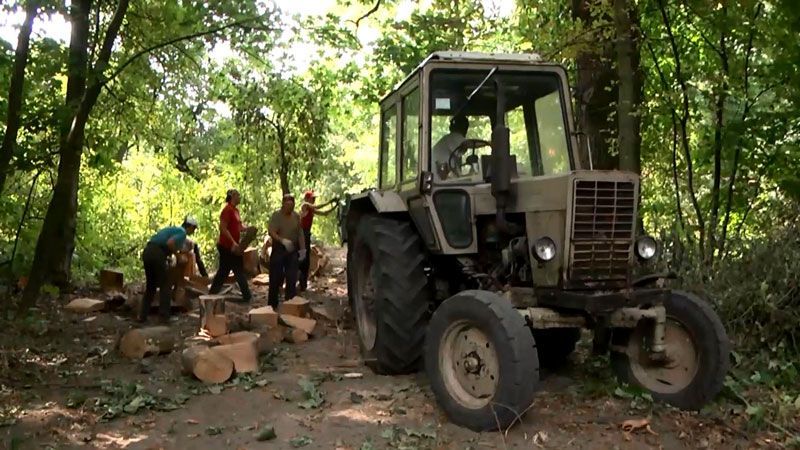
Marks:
<point>534,115</point>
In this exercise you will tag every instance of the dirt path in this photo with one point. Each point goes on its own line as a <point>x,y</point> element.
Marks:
<point>50,392</point>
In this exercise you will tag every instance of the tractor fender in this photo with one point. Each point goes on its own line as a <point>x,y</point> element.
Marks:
<point>371,201</point>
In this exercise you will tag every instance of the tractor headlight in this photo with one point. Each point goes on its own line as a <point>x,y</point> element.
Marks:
<point>646,247</point>
<point>544,249</point>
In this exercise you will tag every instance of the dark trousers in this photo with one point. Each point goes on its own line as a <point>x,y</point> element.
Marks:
<point>155,271</point>
<point>282,267</point>
<point>230,261</point>
<point>305,264</point>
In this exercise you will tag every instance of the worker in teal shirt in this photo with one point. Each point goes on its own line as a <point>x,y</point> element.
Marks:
<point>166,242</point>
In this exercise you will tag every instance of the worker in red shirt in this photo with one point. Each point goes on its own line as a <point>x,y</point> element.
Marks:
<point>307,212</point>
<point>230,254</point>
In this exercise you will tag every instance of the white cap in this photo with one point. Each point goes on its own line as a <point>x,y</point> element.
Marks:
<point>189,220</point>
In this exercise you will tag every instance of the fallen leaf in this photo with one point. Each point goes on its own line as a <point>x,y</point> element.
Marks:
<point>632,425</point>
<point>192,422</point>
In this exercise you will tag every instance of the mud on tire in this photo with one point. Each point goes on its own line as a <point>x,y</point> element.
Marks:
<point>695,320</point>
<point>385,266</point>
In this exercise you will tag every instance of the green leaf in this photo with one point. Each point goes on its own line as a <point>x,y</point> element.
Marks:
<point>300,441</point>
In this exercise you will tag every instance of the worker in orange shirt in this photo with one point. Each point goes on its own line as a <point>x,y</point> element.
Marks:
<point>307,211</point>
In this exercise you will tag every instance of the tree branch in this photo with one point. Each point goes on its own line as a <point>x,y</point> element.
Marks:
<point>173,41</point>
<point>684,119</point>
<point>368,13</point>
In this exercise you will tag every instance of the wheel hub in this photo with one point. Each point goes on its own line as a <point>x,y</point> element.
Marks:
<point>469,365</point>
<point>676,367</point>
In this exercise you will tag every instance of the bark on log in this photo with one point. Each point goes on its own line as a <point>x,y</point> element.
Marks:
<point>140,342</point>
<point>250,260</point>
<point>206,365</point>
<point>296,336</point>
<point>243,354</point>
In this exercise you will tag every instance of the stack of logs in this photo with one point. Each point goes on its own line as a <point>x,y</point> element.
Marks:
<point>224,353</point>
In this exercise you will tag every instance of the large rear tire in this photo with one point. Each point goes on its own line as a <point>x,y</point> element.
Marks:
<point>389,294</point>
<point>481,360</point>
<point>698,352</point>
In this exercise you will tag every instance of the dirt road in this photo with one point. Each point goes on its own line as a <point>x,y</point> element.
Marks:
<point>59,384</point>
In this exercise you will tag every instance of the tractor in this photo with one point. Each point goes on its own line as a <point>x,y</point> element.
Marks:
<point>490,242</point>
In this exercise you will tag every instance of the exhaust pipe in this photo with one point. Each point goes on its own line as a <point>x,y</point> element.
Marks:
<point>501,162</point>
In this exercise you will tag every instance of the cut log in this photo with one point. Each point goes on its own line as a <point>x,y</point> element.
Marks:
<point>298,307</point>
<point>307,325</point>
<point>85,305</point>
<point>321,314</point>
<point>296,336</point>
<point>264,315</point>
<point>210,305</point>
<point>248,235</point>
<point>262,342</point>
<point>261,279</point>
<point>216,325</point>
<point>272,335</point>
<point>111,280</point>
<point>250,261</point>
<point>238,322</point>
<point>140,342</point>
<point>206,365</point>
<point>243,354</point>
<point>180,299</point>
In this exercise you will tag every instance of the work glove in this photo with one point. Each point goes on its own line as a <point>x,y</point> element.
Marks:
<point>172,261</point>
<point>287,244</point>
<point>303,255</point>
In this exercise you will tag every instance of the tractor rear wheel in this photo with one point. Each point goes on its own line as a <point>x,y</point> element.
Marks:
<point>697,354</point>
<point>481,360</point>
<point>389,294</point>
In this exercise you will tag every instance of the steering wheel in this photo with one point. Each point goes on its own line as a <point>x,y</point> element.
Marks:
<point>454,161</point>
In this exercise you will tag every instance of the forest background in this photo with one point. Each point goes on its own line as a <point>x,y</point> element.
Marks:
<point>120,117</point>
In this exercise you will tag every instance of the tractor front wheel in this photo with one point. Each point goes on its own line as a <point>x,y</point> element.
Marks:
<point>696,360</point>
<point>481,360</point>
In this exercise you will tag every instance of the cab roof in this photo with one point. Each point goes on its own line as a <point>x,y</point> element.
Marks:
<point>468,57</point>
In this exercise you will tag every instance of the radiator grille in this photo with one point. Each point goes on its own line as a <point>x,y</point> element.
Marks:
<point>602,230</point>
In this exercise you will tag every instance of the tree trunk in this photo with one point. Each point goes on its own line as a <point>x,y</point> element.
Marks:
<point>596,94</point>
<point>15,92</point>
<point>53,256</point>
<point>630,86</point>
<point>284,165</point>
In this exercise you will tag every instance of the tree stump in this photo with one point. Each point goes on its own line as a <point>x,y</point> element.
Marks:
<point>206,365</point>
<point>140,342</point>
<point>210,305</point>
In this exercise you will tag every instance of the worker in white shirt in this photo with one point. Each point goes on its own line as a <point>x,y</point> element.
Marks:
<point>445,146</point>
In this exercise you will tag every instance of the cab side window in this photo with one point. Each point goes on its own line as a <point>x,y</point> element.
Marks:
<point>388,175</point>
<point>410,135</point>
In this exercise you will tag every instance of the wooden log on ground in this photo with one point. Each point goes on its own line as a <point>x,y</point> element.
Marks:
<point>296,336</point>
<point>298,307</point>
<point>307,325</point>
<point>272,335</point>
<point>321,314</point>
<point>199,282</point>
<point>264,315</point>
<point>206,365</point>
<point>140,342</point>
<point>111,280</point>
<point>262,342</point>
<point>85,305</point>
<point>243,354</point>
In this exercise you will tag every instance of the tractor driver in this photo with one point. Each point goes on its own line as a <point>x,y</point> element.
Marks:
<point>444,147</point>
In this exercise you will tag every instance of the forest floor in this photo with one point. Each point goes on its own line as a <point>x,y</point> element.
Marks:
<point>63,385</point>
